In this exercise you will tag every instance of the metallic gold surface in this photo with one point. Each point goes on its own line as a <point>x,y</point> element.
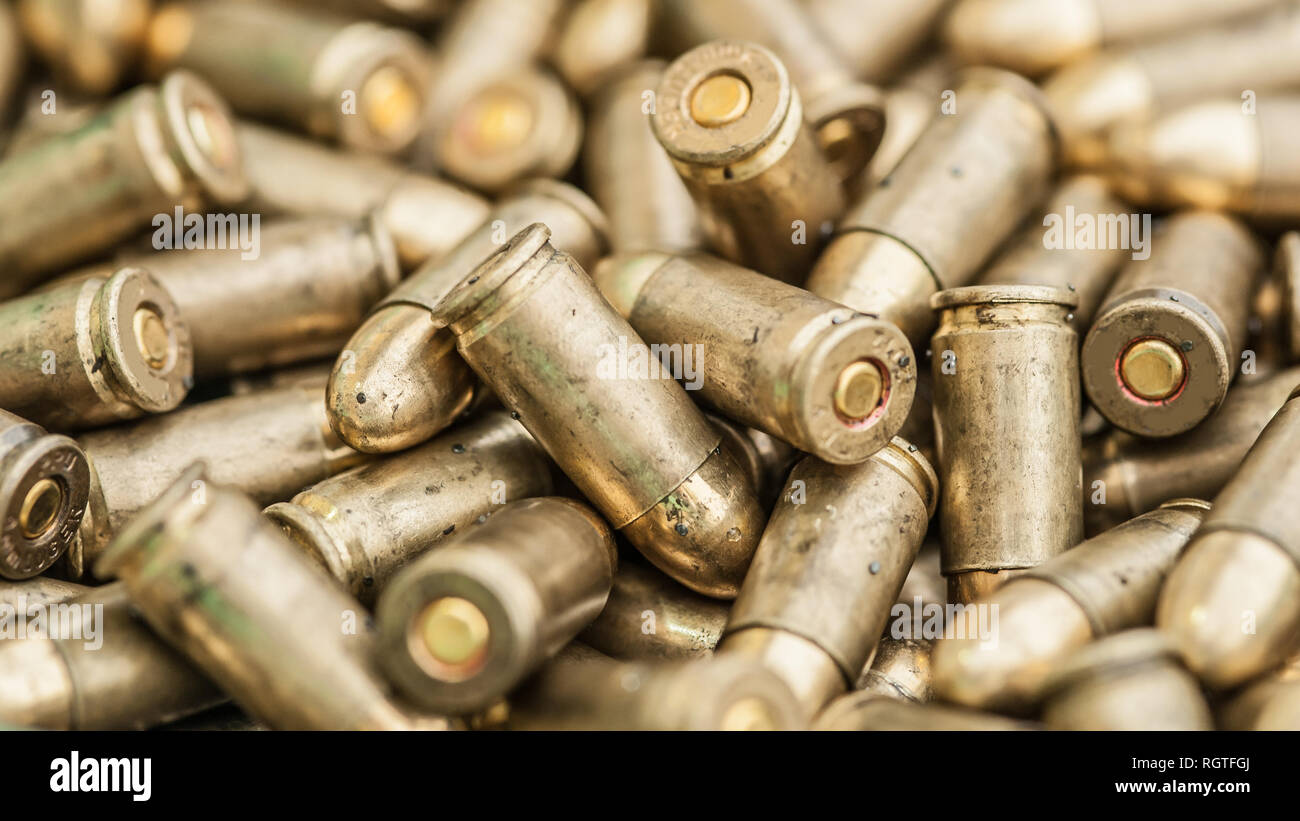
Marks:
<point>89,44</point>
<point>869,711</point>
<point>599,39</point>
<point>876,37</point>
<point>44,485</point>
<point>650,617</point>
<point>39,590</point>
<point>900,669</point>
<point>1272,702</point>
<point>11,59</point>
<point>766,460</point>
<point>910,104</point>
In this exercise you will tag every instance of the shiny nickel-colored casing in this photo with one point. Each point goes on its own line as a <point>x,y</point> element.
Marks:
<point>765,191</point>
<point>1186,307</point>
<point>72,195</point>
<point>533,326</point>
<point>364,524</point>
<point>399,380</point>
<point>870,711</point>
<point>1107,584</point>
<point>44,485</point>
<point>900,669</point>
<point>84,354</point>
<point>599,38</point>
<point>1006,408</point>
<point>89,44</point>
<point>463,624</point>
<point>969,180</point>
<point>876,37</point>
<point>125,679</point>
<point>651,617</point>
<point>360,83</point>
<point>824,378</point>
<point>1232,603</point>
<point>829,568</point>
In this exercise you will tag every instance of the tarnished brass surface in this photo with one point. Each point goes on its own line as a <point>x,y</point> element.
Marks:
<point>765,459</point>
<point>650,617</point>
<point>39,590</point>
<point>910,104</point>
<point>869,711</point>
<point>44,485</point>
<point>876,37</point>
<point>901,670</point>
<point>599,38</point>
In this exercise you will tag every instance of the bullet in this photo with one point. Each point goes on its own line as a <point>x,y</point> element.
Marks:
<point>826,379</point>
<point>627,171</point>
<point>220,583</point>
<point>461,625</point>
<point>291,175</point>
<point>868,711</point>
<point>900,670</point>
<point>39,590</point>
<point>1006,409</point>
<point>71,196</point>
<point>83,354</point>
<point>269,445</point>
<point>1125,476</point>
<point>701,694</point>
<point>1129,681</point>
<point>535,329</point>
<point>399,380</point>
<point>1270,703</point>
<point>1232,603</point>
<point>765,459</point>
<point>1034,36</point>
<point>89,46</point>
<point>924,578</point>
<point>1167,340</point>
<point>911,104</point>
<point>365,524</point>
<point>1105,585</point>
<point>103,670</point>
<point>732,122</point>
<point>876,37</point>
<point>650,617</point>
<point>829,568</point>
<point>1138,82</point>
<point>969,180</point>
<point>44,484</point>
<point>599,39</point>
<point>1088,271</point>
<point>360,83</point>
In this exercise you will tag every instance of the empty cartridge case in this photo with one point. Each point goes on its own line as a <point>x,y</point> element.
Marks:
<point>765,459</point>
<point>102,669</point>
<point>533,326</point>
<point>1107,584</point>
<point>89,44</point>
<point>628,173</point>
<point>869,711</point>
<point>900,669</point>
<point>82,354</point>
<point>463,624</point>
<point>972,176</point>
<point>360,83</point>
<point>366,523</point>
<point>651,617</point>
<point>221,584</point>
<point>910,104</point>
<point>829,380</point>
<point>44,485</point>
<point>829,568</point>
<point>1006,408</point>
<point>399,380</point>
<point>269,445</point>
<point>1129,681</point>
<point>1232,603</point>
<point>732,123</point>
<point>1167,341</point>
<point>599,38</point>
<point>72,195</point>
<point>876,37</point>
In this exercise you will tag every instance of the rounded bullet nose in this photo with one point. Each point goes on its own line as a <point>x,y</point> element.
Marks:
<point>1028,36</point>
<point>1231,607</point>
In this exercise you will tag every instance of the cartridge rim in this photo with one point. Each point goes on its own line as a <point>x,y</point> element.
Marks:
<point>47,464</point>
<point>153,372</point>
<point>1003,294</point>
<point>480,284</point>
<point>203,129</point>
<point>386,68</point>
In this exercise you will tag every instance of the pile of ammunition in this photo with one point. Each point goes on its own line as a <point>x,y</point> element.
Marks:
<point>650,364</point>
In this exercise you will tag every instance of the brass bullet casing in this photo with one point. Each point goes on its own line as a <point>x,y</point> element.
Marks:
<point>291,175</point>
<point>829,568</point>
<point>869,711</point>
<point>1135,475</point>
<point>461,625</point>
<point>413,13</point>
<point>918,427</point>
<point>126,678</point>
<point>1271,702</point>
<point>826,379</point>
<point>1167,341</point>
<point>399,380</point>
<point>365,524</point>
<point>35,122</point>
<point>73,195</point>
<point>876,37</point>
<point>1107,584</point>
<point>44,485</point>
<point>700,694</point>
<point>269,445</point>
<point>731,120</point>
<point>651,617</point>
<point>39,590</point>
<point>1136,82</point>
<point>221,584</point>
<point>628,173</point>
<point>1088,272</point>
<point>360,83</point>
<point>533,326</point>
<point>89,44</point>
<point>83,354</point>
<point>1213,155</point>
<point>925,577</point>
<point>966,184</point>
<point>599,38</point>
<point>1006,408</point>
<point>1034,36</point>
<point>900,670</point>
<point>766,460</point>
<point>1232,603</point>
<point>911,103</point>
<point>1129,681</point>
